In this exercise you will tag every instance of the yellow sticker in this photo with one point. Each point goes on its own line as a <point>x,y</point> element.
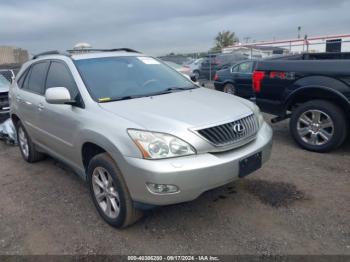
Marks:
<point>104,99</point>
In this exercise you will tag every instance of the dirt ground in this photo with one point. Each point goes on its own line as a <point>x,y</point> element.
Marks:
<point>298,203</point>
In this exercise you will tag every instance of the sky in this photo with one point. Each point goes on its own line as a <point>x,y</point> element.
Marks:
<point>159,27</point>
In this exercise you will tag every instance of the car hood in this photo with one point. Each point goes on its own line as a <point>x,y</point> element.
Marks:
<point>184,109</point>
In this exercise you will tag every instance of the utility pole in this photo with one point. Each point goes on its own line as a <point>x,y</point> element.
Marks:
<point>307,43</point>
<point>299,30</point>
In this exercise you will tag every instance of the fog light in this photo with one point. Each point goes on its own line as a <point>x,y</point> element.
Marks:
<point>162,188</point>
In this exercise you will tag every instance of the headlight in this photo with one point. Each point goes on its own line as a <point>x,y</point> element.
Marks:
<point>155,145</point>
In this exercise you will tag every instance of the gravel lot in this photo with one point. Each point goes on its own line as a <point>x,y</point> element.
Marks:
<point>296,204</point>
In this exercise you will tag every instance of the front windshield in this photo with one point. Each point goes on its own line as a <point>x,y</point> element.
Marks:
<point>126,77</point>
<point>4,82</point>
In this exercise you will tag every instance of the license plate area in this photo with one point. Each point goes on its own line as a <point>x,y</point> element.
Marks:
<point>250,164</point>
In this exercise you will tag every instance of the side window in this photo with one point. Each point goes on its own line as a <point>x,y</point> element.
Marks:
<point>59,76</point>
<point>235,69</point>
<point>36,78</point>
<point>246,67</point>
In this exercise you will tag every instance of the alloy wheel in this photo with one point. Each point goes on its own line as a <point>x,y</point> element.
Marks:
<point>315,127</point>
<point>196,75</point>
<point>23,142</point>
<point>229,89</point>
<point>105,192</point>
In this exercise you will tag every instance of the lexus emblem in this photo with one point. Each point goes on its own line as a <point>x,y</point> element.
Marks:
<point>238,128</point>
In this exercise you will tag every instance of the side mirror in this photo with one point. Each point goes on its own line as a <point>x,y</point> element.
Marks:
<point>58,95</point>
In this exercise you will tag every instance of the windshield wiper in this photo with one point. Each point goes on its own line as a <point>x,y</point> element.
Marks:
<point>166,91</point>
<point>123,98</point>
<point>180,88</point>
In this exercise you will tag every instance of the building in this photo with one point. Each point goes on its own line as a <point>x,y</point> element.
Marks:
<point>317,44</point>
<point>256,52</point>
<point>13,55</point>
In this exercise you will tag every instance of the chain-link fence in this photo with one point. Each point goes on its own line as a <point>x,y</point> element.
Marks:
<point>324,47</point>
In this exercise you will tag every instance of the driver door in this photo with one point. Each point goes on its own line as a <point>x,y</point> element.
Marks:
<point>60,122</point>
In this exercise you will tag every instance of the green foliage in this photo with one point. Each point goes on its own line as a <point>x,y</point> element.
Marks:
<point>224,39</point>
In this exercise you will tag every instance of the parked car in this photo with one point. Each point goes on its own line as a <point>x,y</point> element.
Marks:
<point>196,67</point>
<point>186,70</point>
<point>4,99</point>
<point>9,74</point>
<point>315,94</point>
<point>237,79</point>
<point>140,133</point>
<point>216,62</point>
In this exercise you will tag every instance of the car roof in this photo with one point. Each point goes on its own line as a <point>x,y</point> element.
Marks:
<point>77,54</point>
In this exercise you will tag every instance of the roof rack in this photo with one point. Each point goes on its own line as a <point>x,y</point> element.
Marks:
<point>83,50</point>
<point>53,52</point>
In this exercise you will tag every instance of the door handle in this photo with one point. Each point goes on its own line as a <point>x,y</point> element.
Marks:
<point>40,107</point>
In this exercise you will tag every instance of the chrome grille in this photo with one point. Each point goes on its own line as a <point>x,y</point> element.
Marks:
<point>226,134</point>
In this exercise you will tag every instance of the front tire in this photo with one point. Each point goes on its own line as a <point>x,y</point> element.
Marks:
<point>26,146</point>
<point>318,126</point>
<point>110,193</point>
<point>196,74</point>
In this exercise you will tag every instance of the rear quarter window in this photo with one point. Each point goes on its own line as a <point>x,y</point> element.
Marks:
<point>21,79</point>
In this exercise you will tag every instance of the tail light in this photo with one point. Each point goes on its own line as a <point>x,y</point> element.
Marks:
<point>216,77</point>
<point>258,76</point>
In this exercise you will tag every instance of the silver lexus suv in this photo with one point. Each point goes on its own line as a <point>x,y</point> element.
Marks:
<point>140,133</point>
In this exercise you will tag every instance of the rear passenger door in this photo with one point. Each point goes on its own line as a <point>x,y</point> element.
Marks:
<point>30,97</point>
<point>60,122</point>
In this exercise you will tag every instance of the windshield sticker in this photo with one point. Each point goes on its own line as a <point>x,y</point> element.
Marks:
<point>148,60</point>
<point>104,99</point>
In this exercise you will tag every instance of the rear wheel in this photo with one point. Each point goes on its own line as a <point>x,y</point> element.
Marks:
<point>196,74</point>
<point>26,146</point>
<point>110,193</point>
<point>319,126</point>
<point>229,89</point>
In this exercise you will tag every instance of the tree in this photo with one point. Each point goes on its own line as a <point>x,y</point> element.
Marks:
<point>224,39</point>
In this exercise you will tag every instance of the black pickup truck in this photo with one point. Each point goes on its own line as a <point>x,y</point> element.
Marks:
<point>314,93</point>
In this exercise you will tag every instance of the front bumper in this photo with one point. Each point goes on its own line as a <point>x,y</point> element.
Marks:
<point>192,174</point>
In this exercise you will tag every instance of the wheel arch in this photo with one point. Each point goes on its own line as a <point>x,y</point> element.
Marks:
<point>90,150</point>
<point>15,119</point>
<point>229,81</point>
<point>309,93</point>
<point>93,143</point>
